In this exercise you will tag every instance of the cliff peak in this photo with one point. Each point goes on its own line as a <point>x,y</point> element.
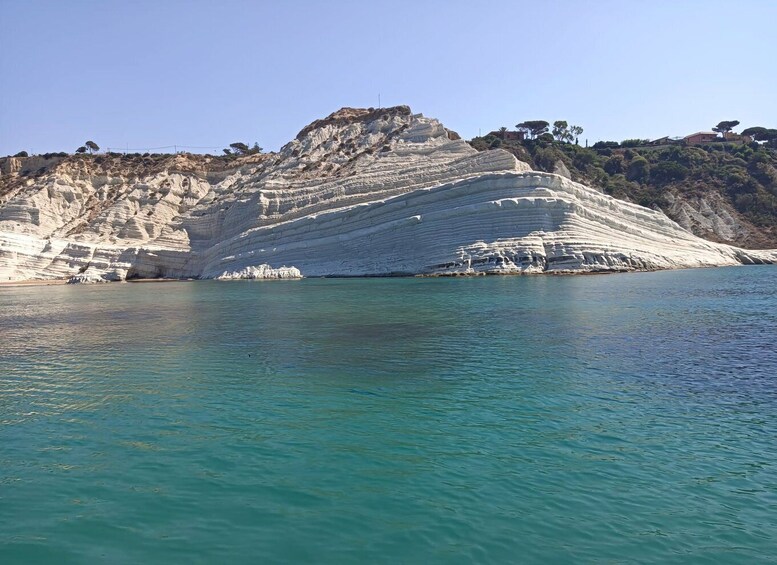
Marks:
<point>346,115</point>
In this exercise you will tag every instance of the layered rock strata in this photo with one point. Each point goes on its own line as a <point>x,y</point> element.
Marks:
<point>359,193</point>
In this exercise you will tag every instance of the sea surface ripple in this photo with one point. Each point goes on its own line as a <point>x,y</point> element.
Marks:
<point>623,419</point>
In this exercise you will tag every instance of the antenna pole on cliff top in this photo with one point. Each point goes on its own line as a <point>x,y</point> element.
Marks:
<point>378,100</point>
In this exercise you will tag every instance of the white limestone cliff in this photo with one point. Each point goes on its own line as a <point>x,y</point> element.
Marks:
<point>361,192</point>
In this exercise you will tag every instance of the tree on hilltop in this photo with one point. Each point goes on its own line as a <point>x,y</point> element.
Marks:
<point>725,127</point>
<point>759,133</point>
<point>240,148</point>
<point>534,128</point>
<point>561,131</point>
<point>576,131</point>
<point>755,132</point>
<point>91,146</point>
<point>81,149</point>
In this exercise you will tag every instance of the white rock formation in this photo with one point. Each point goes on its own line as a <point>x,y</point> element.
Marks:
<point>264,272</point>
<point>362,192</point>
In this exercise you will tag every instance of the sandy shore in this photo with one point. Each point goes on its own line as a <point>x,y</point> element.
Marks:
<point>33,282</point>
<point>51,282</point>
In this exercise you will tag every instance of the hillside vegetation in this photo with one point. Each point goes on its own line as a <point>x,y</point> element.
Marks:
<point>721,191</point>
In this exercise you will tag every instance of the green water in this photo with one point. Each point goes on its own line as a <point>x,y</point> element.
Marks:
<point>611,419</point>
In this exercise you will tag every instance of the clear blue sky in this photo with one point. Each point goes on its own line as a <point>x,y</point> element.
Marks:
<point>196,73</point>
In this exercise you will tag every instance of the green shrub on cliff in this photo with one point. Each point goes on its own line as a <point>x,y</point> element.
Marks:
<point>743,174</point>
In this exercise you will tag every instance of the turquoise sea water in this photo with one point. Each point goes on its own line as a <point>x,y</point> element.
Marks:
<point>614,419</point>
